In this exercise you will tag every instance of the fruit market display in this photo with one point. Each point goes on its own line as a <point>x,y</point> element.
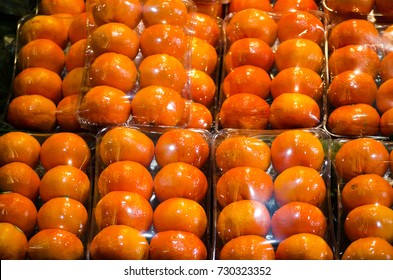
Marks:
<point>194,130</point>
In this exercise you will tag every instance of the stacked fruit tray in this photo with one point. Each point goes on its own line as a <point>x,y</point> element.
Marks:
<point>224,146</point>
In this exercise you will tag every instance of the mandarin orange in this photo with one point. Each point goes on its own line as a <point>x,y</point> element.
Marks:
<point>169,12</point>
<point>13,242</point>
<point>368,248</point>
<point>248,247</point>
<point>239,5</point>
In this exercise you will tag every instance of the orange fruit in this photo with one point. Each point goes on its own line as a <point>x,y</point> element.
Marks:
<point>206,27</point>
<point>114,37</point>
<point>63,213</point>
<point>184,145</point>
<point>247,247</point>
<point>384,6</point>
<point>72,82</point>
<point>18,210</point>
<point>242,151</point>
<point>180,179</point>
<point>65,180</point>
<point>249,51</point>
<point>200,117</point>
<point>55,244</point>
<point>366,189</point>
<point>13,242</point>
<point>177,245</point>
<point>32,112</point>
<point>19,177</point>
<point>387,39</point>
<point>368,248</point>
<point>49,7</point>
<point>162,70</point>
<point>65,148</point>
<point>104,105</point>
<point>369,220</point>
<point>123,208</point>
<point>299,52</point>
<point>202,87</point>
<point>384,96</point>
<point>290,5</point>
<point>119,242</point>
<point>243,217</point>
<point>41,53</point>
<point>128,12</point>
<point>169,12</point>
<point>247,79</point>
<point>296,147</point>
<point>362,7</point>
<point>361,156</point>
<point>37,80</point>
<point>362,58</point>
<point>159,106</point>
<point>66,114</point>
<point>113,69</point>
<point>19,146</point>
<point>125,143</point>
<point>304,246</point>
<point>363,120</point>
<point>245,111</point>
<point>300,24</point>
<point>126,175</point>
<point>179,213</point>
<point>203,56</point>
<point>164,38</point>
<point>294,110</point>
<point>251,23</point>
<point>350,87</point>
<point>386,124</point>
<point>214,9</point>
<point>78,28</point>
<point>238,5</point>
<point>297,79</point>
<point>44,27</point>
<point>385,71</point>
<point>243,183</point>
<point>300,183</point>
<point>298,217</point>
<point>75,55</point>
<point>352,32</point>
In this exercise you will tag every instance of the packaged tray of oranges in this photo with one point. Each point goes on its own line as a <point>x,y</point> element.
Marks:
<point>152,195</point>
<point>274,70</point>
<point>139,63</point>
<point>360,78</point>
<point>271,194</point>
<point>362,187</point>
<point>46,194</point>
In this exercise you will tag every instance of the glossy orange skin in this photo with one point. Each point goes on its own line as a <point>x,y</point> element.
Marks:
<point>66,115</point>
<point>177,245</point>
<point>123,208</point>
<point>361,156</point>
<point>75,57</point>
<point>247,247</point>
<point>65,148</point>
<point>298,217</point>
<point>200,117</point>
<point>169,12</point>
<point>288,5</point>
<point>126,175</point>
<point>384,96</point>
<point>202,87</point>
<point>180,214</point>
<point>19,177</point>
<point>368,248</point>
<point>48,7</point>
<point>182,145</point>
<point>354,120</point>
<point>385,68</point>
<point>180,179</point>
<point>72,82</point>
<point>13,242</point>
<point>55,244</point>
<point>126,143</point>
<point>386,125</point>
<point>296,147</point>
<point>18,210</point>
<point>242,151</point>
<point>369,220</point>
<point>203,56</point>
<point>119,242</point>
<point>205,27</point>
<point>238,5</point>
<point>77,29</point>
<point>304,246</point>
<point>63,213</point>
<point>242,183</point>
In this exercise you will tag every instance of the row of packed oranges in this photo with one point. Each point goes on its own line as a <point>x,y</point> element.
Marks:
<point>245,112</point>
